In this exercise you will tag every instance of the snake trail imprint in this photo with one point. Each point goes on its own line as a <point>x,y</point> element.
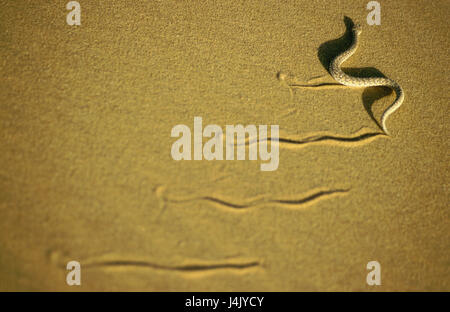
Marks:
<point>362,136</point>
<point>193,266</point>
<point>307,199</point>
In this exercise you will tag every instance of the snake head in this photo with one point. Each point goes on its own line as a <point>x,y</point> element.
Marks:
<point>357,28</point>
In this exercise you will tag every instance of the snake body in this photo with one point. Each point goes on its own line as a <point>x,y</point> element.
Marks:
<point>347,80</point>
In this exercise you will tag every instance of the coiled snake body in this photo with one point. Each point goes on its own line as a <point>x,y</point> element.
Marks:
<point>347,80</point>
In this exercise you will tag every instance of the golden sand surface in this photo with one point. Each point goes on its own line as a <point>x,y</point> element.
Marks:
<point>86,114</point>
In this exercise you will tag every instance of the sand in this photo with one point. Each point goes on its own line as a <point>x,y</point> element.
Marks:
<point>87,173</point>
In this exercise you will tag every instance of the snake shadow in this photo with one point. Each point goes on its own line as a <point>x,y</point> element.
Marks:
<point>329,50</point>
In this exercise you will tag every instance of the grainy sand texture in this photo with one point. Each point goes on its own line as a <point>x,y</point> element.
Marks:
<point>87,174</point>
